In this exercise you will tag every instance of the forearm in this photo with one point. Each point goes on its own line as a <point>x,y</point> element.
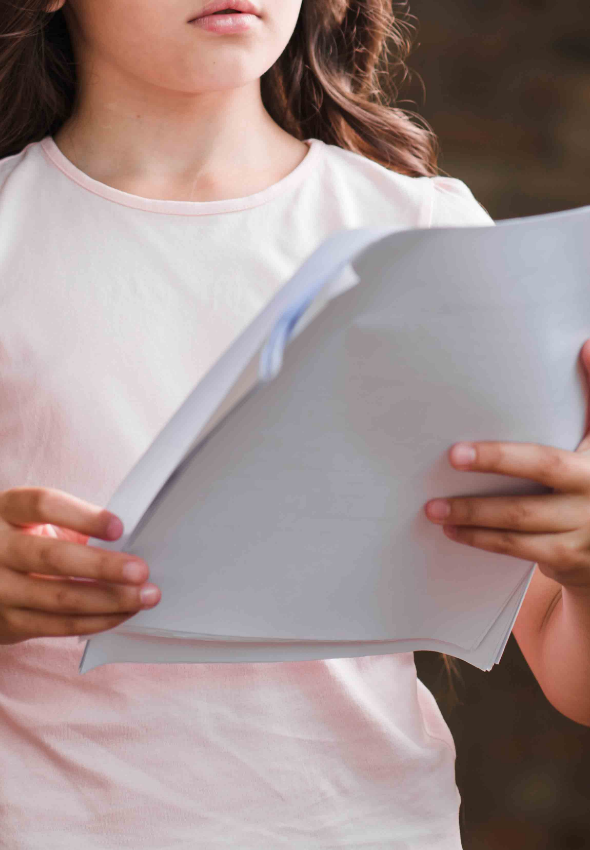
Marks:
<point>560,656</point>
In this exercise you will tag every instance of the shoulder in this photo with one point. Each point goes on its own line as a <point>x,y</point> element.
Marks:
<point>421,201</point>
<point>21,172</point>
<point>455,205</point>
<point>8,164</point>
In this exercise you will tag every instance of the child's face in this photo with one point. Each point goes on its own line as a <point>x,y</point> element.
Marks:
<point>153,41</point>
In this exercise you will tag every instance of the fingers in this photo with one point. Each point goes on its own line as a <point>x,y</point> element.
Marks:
<point>26,506</point>
<point>518,544</point>
<point>18,624</point>
<point>51,584</point>
<point>45,555</point>
<point>555,468</point>
<point>547,513</point>
<point>74,598</point>
<point>568,555</point>
<point>552,530</point>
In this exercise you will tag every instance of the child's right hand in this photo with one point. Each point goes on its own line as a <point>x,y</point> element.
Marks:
<point>39,596</point>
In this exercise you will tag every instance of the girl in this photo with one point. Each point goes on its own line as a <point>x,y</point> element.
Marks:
<point>166,166</point>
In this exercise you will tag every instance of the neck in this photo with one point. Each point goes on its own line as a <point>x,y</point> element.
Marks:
<point>171,145</point>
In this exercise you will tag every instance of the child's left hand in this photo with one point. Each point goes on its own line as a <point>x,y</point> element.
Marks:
<point>552,529</point>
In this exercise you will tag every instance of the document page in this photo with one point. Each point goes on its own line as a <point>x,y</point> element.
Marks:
<point>281,509</point>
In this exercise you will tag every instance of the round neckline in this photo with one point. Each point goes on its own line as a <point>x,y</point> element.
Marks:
<point>54,155</point>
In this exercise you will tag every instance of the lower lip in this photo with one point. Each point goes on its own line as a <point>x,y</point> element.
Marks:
<point>226,24</point>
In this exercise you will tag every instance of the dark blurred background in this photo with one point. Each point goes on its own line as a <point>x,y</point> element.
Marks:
<point>506,87</point>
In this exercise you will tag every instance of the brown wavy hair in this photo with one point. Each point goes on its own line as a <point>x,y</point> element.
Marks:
<point>337,80</point>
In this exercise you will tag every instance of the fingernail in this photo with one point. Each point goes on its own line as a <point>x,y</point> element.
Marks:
<point>134,571</point>
<point>149,594</point>
<point>450,531</point>
<point>438,509</point>
<point>114,528</point>
<point>463,454</point>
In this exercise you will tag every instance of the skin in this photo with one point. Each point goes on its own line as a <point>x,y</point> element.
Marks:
<point>165,110</point>
<point>168,111</point>
<point>553,530</point>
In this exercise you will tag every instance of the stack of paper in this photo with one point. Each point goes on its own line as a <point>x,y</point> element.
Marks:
<point>281,508</point>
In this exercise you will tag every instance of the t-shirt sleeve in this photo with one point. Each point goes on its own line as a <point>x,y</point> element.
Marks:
<point>454,205</point>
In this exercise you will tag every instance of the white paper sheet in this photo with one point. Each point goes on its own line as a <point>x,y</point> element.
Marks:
<point>111,647</point>
<point>295,528</point>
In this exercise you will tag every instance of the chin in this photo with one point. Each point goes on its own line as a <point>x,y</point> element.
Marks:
<point>223,80</point>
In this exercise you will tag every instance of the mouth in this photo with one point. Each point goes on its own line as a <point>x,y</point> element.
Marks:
<point>227,7</point>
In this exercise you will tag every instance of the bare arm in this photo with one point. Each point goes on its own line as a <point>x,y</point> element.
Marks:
<point>553,632</point>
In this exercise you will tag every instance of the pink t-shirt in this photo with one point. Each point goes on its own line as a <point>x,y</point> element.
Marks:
<point>112,307</point>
